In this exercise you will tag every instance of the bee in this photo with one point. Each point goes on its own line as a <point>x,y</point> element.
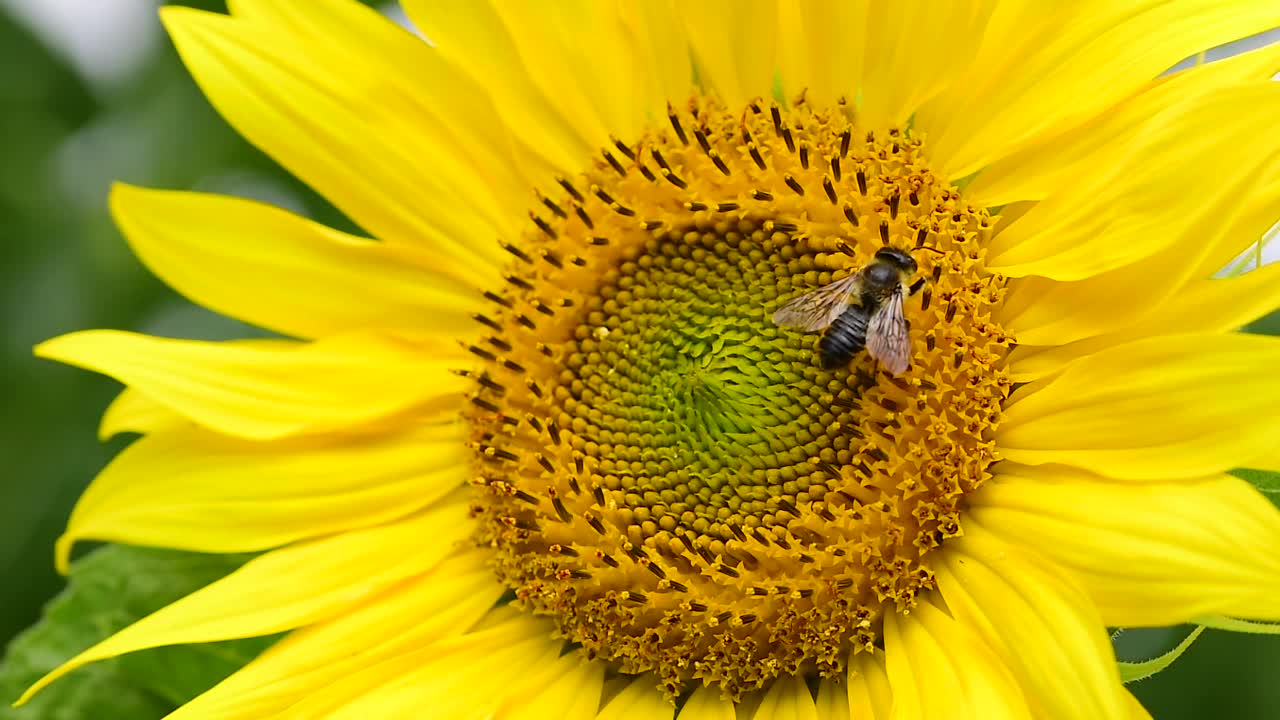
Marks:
<point>862,310</point>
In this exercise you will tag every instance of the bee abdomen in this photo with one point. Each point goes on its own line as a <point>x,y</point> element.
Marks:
<point>844,339</point>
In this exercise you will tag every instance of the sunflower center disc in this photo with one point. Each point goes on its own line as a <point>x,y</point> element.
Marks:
<point>672,477</point>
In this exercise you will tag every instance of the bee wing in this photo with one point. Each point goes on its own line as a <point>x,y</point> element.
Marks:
<point>887,337</point>
<point>819,308</point>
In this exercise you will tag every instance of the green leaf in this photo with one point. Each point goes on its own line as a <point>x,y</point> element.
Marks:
<point>1134,671</point>
<point>1267,325</point>
<point>107,590</point>
<point>1266,481</point>
<point>1221,622</point>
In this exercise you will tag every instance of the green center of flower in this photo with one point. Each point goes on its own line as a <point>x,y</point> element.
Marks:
<point>684,389</point>
<point>674,478</point>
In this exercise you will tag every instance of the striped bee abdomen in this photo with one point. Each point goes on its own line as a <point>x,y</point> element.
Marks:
<point>845,338</point>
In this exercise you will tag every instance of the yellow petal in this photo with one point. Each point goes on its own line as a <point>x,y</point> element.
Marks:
<point>1047,313</point>
<point>432,102</point>
<point>1166,407</point>
<point>869,695</point>
<point>1044,626</point>
<point>787,699</point>
<point>1269,460</point>
<point>1207,148</point>
<point>449,676</point>
<point>1150,554</point>
<point>240,496</point>
<point>914,50</point>
<point>263,392</point>
<point>939,668</point>
<point>639,700</point>
<point>474,41</point>
<point>291,587</point>
<point>573,695</point>
<point>461,687</point>
<point>832,702</point>
<point>582,57</point>
<point>1202,306</point>
<point>661,50</point>
<point>706,704</point>
<point>408,617</point>
<point>1045,67</point>
<point>434,99</point>
<point>134,412</point>
<point>278,271</point>
<point>820,49</point>
<point>369,139</point>
<point>733,45</point>
<point>1056,161</point>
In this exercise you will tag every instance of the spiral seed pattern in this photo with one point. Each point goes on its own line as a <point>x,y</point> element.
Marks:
<point>669,475</point>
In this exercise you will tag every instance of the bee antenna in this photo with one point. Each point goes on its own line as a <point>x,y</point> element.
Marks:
<point>933,250</point>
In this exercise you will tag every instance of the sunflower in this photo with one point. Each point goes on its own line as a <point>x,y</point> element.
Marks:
<point>537,448</point>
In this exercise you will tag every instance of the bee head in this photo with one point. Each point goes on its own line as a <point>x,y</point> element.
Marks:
<point>899,259</point>
<point>891,268</point>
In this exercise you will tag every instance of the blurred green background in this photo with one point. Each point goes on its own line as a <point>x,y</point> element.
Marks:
<point>92,92</point>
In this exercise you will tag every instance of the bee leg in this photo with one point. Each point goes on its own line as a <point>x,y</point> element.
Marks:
<point>915,287</point>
